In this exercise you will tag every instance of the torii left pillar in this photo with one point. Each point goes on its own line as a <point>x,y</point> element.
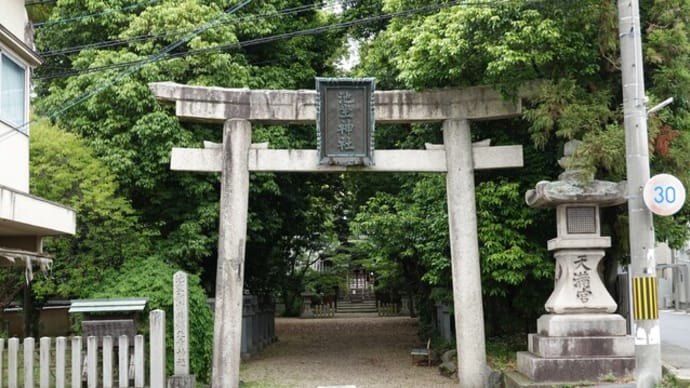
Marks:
<point>234,202</point>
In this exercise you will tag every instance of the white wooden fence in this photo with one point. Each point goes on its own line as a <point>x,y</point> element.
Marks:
<point>97,366</point>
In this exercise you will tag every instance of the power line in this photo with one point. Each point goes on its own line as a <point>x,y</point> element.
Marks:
<point>288,35</point>
<point>9,132</point>
<point>117,42</point>
<point>103,13</point>
<point>78,100</point>
<point>136,65</point>
<point>39,2</point>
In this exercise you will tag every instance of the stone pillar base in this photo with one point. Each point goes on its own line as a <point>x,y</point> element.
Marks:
<point>571,348</point>
<point>181,381</point>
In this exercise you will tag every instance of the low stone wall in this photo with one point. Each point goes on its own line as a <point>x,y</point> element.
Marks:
<point>258,324</point>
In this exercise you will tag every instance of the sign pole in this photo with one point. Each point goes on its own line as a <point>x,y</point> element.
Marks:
<point>642,257</point>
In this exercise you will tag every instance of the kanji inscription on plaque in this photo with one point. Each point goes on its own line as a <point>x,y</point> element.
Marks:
<point>345,121</point>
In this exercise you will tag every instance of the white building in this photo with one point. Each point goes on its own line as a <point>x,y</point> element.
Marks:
<point>24,219</point>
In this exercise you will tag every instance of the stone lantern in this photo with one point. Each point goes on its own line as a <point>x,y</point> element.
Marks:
<point>579,338</point>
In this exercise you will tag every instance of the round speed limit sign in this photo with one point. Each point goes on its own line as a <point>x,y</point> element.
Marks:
<point>664,194</point>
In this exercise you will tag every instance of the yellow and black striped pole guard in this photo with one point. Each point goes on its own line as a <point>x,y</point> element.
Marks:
<point>645,298</point>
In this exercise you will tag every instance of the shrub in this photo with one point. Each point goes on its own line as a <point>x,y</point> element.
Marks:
<point>153,279</point>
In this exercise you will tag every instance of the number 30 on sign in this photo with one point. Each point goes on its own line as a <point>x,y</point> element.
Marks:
<point>664,194</point>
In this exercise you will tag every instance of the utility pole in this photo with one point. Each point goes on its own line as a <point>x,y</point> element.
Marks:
<point>642,257</point>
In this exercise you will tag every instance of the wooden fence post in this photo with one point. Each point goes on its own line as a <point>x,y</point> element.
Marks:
<point>76,362</point>
<point>44,362</point>
<point>2,348</point>
<point>92,362</point>
<point>157,348</point>
<point>29,345</point>
<point>123,361</point>
<point>60,364</point>
<point>107,361</point>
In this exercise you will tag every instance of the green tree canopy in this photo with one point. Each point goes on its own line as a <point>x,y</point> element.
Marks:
<point>133,135</point>
<point>65,170</point>
<point>571,48</point>
<point>110,255</point>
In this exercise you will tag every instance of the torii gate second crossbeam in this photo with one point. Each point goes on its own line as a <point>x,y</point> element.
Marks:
<point>236,157</point>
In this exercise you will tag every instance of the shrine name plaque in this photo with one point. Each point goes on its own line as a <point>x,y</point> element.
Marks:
<point>345,121</point>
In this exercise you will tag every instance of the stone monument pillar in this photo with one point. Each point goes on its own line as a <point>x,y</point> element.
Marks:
<point>579,339</point>
<point>404,306</point>
<point>306,305</point>
<point>182,378</point>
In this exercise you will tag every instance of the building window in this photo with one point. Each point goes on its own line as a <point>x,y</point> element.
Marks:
<point>12,91</point>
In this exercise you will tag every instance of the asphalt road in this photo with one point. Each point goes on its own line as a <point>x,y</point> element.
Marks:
<point>675,328</point>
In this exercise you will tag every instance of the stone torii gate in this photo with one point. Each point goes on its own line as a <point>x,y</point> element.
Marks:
<point>457,157</point>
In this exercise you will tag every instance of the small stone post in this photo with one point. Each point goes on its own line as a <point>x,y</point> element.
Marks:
<point>306,305</point>
<point>404,306</point>
<point>247,313</point>
<point>181,378</point>
<point>443,317</point>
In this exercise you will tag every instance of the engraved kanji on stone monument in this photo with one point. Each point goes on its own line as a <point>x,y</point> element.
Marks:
<point>181,323</point>
<point>345,121</point>
<point>581,279</point>
<point>181,378</point>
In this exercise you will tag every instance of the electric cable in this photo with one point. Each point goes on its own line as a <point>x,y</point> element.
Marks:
<point>136,65</point>
<point>99,88</point>
<point>272,38</point>
<point>117,42</point>
<point>39,2</point>
<point>9,132</point>
<point>103,13</point>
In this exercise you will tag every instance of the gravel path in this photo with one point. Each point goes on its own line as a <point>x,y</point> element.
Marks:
<point>364,351</point>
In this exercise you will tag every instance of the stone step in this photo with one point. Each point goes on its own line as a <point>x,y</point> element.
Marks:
<point>574,369</point>
<point>363,303</point>
<point>368,303</point>
<point>580,347</point>
<point>581,325</point>
<point>356,312</point>
<point>373,304</point>
<point>356,308</point>
<point>514,379</point>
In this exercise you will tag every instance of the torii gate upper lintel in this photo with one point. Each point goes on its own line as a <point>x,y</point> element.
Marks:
<point>214,104</point>
<point>236,157</point>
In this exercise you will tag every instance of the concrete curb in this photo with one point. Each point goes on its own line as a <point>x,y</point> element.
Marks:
<point>682,375</point>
